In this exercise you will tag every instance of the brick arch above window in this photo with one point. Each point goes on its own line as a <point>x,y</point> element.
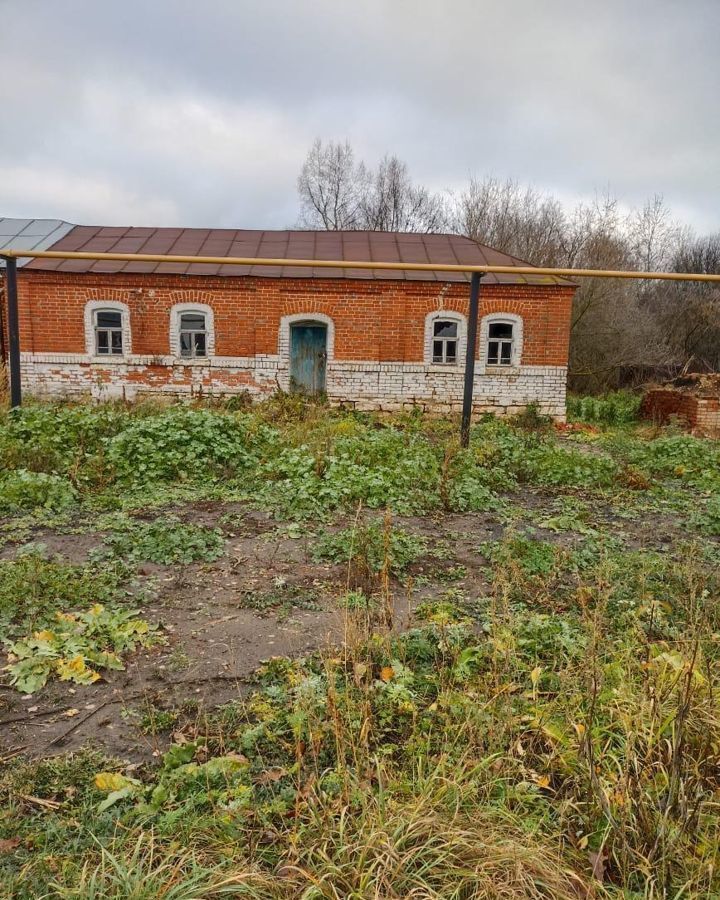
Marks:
<point>93,306</point>
<point>445,315</point>
<point>501,318</point>
<point>308,318</point>
<point>111,295</point>
<point>176,312</point>
<point>192,297</point>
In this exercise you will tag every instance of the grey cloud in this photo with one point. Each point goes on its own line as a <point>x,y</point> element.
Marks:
<point>188,113</point>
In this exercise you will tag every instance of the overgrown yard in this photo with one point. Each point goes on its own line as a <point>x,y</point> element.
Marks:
<point>296,652</point>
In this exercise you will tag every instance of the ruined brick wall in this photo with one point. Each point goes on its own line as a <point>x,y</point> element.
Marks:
<point>700,415</point>
<point>377,355</point>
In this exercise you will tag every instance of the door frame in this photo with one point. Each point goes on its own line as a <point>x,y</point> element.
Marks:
<point>315,389</point>
<point>304,318</point>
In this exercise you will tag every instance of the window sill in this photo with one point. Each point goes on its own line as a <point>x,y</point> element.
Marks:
<point>501,370</point>
<point>191,361</point>
<point>113,360</point>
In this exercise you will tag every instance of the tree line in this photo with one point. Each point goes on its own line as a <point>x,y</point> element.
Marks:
<point>623,332</point>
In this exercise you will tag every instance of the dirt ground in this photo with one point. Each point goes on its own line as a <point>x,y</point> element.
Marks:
<point>217,633</point>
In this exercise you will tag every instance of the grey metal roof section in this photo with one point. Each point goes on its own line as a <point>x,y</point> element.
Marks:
<point>31,234</point>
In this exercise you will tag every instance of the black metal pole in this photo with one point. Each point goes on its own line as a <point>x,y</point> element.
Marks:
<point>13,330</point>
<point>470,358</point>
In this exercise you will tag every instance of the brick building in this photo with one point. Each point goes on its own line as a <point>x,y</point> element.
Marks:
<point>371,338</point>
<point>693,400</point>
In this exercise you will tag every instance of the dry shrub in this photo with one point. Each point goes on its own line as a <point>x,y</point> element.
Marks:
<point>442,842</point>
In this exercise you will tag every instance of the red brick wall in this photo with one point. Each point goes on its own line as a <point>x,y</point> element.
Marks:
<point>374,320</point>
<point>701,415</point>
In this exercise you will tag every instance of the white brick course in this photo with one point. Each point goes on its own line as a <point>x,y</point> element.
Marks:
<point>364,385</point>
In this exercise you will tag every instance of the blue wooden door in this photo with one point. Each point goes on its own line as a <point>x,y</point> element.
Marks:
<point>308,356</point>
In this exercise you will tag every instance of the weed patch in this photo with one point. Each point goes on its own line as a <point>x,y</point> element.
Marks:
<point>618,408</point>
<point>371,546</point>
<point>282,598</point>
<point>185,444</point>
<point>707,519</point>
<point>22,490</point>
<point>33,588</point>
<point>543,726</point>
<point>163,541</point>
<point>76,647</point>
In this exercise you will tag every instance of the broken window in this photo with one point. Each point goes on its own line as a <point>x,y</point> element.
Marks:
<point>108,332</point>
<point>445,342</point>
<point>501,339</point>
<point>193,334</point>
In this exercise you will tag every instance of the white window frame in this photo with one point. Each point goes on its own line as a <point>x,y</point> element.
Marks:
<point>91,309</point>
<point>176,314</point>
<point>193,352</point>
<point>500,318</point>
<point>445,315</point>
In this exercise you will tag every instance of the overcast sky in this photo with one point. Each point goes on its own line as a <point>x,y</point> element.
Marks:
<point>200,112</point>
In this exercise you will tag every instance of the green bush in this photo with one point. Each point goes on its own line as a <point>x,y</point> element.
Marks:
<point>707,519</point>
<point>532,556</point>
<point>509,456</point>
<point>185,444</point>
<point>22,489</point>
<point>289,484</point>
<point>693,460</point>
<point>164,541</point>
<point>617,408</point>
<point>384,468</point>
<point>553,466</point>
<point>373,542</point>
<point>56,438</point>
<point>550,639</point>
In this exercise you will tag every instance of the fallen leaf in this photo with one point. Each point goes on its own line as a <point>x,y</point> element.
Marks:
<point>111,781</point>
<point>387,673</point>
<point>70,713</point>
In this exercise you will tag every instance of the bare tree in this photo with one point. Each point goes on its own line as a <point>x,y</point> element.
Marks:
<point>338,193</point>
<point>690,313</point>
<point>512,218</point>
<point>621,330</point>
<point>394,203</point>
<point>331,187</point>
<point>654,237</point>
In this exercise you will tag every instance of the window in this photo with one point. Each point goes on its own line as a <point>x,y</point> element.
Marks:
<point>500,344</point>
<point>445,342</point>
<point>191,331</point>
<point>193,334</point>
<point>108,332</point>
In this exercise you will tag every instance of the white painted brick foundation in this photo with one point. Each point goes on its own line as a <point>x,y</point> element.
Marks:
<point>364,385</point>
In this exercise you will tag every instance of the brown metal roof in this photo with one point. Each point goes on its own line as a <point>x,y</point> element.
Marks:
<point>372,246</point>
